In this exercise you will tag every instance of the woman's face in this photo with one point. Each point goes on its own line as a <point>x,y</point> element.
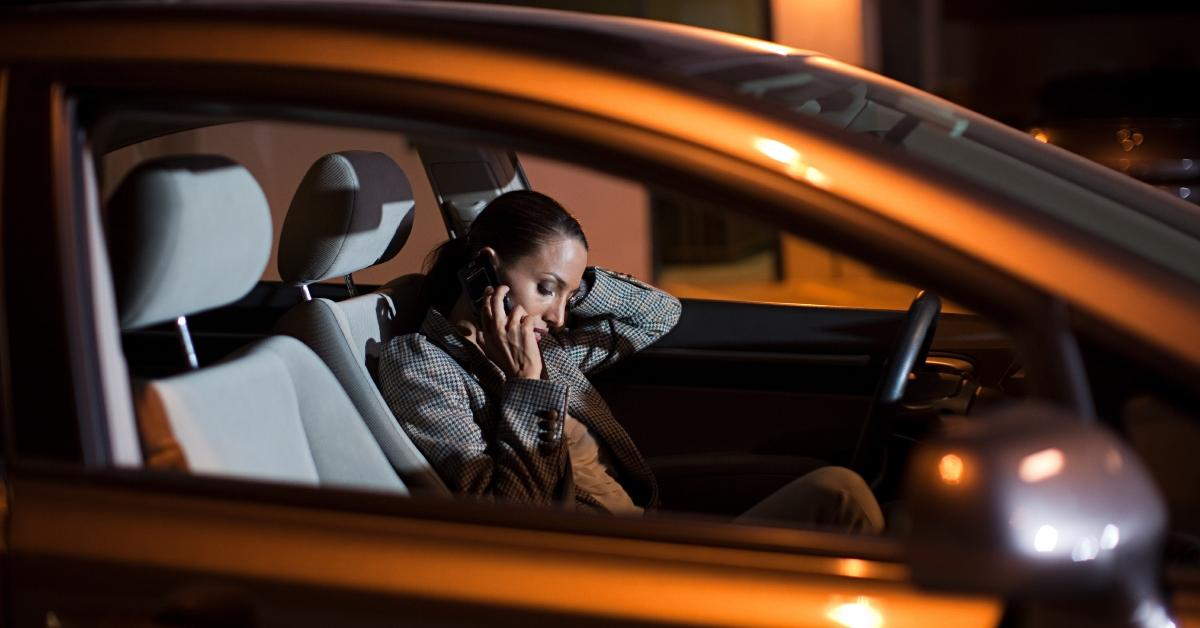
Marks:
<point>543,281</point>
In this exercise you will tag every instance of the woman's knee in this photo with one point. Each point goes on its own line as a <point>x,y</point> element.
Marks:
<point>850,496</point>
<point>829,497</point>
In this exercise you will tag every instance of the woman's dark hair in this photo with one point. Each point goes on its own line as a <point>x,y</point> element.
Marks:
<point>515,224</point>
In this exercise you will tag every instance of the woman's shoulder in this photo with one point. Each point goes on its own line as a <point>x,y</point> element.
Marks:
<point>411,348</point>
<point>413,359</point>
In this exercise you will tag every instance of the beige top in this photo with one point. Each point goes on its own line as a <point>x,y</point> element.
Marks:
<point>592,470</point>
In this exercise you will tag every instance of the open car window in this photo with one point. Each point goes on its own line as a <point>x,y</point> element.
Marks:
<point>775,322</point>
<point>691,248</point>
<point>277,154</point>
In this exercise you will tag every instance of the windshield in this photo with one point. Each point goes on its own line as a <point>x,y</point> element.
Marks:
<point>1116,208</point>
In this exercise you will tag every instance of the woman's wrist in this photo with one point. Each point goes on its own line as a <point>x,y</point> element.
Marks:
<point>530,373</point>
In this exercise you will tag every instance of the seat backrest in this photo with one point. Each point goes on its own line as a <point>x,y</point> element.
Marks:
<point>354,210</point>
<point>272,410</point>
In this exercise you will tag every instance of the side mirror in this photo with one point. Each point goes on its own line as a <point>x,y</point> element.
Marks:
<point>1053,513</point>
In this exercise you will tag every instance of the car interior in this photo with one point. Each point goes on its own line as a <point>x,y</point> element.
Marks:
<point>764,391</point>
<point>270,375</point>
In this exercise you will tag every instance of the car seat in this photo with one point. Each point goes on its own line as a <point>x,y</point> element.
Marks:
<point>354,210</point>
<point>191,233</point>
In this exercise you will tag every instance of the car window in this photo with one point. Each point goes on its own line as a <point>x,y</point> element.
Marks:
<point>821,363</point>
<point>278,154</point>
<point>698,250</point>
<point>691,248</point>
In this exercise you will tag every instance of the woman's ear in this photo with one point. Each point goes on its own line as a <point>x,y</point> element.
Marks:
<point>492,255</point>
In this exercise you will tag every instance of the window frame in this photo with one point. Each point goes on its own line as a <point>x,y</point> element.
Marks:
<point>451,113</point>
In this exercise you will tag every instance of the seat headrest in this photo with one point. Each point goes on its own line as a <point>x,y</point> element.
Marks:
<point>186,233</point>
<point>353,210</point>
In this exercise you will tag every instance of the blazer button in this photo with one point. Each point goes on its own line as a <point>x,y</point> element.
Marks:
<point>552,415</point>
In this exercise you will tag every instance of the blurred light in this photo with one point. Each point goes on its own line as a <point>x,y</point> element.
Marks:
<point>950,467</point>
<point>1127,145</point>
<point>1123,163</point>
<point>1039,135</point>
<point>857,614</point>
<point>1110,537</point>
<point>1185,192</point>
<point>794,161</point>
<point>816,177</point>
<point>1086,548</point>
<point>1046,463</point>
<point>1137,139</point>
<point>1046,539</point>
<point>778,151</point>
<point>1112,461</point>
<point>852,567</point>
<point>1122,135</point>
<point>1152,615</point>
<point>771,47</point>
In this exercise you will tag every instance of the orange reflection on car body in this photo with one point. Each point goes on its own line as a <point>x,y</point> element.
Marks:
<point>794,160</point>
<point>857,614</point>
<point>951,467</point>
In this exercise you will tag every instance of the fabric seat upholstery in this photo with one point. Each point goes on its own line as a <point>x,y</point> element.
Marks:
<point>271,411</point>
<point>354,210</point>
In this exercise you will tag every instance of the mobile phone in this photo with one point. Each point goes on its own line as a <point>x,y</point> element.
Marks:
<point>475,277</point>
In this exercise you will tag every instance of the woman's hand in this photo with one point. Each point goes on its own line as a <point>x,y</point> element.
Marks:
<point>507,339</point>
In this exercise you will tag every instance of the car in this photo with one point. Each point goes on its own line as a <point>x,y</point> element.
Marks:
<point>1028,421</point>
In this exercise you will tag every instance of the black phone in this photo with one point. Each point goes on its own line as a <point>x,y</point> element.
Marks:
<point>475,277</point>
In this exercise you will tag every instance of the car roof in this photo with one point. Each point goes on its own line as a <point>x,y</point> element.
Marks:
<point>627,42</point>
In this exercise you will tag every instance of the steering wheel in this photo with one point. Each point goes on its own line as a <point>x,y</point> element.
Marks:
<point>910,348</point>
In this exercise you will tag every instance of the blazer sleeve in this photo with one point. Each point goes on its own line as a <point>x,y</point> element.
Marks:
<point>523,460</point>
<point>614,316</point>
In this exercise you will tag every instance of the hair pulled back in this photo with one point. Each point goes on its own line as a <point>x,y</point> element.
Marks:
<point>514,224</point>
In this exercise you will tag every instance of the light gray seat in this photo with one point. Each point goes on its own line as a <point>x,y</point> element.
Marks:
<point>191,233</point>
<point>354,210</point>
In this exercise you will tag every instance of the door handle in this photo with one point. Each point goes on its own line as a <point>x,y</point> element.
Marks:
<point>945,383</point>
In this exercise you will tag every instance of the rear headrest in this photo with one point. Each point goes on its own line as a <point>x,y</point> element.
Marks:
<point>353,210</point>
<point>186,234</point>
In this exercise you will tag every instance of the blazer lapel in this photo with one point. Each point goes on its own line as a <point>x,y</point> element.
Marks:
<point>442,333</point>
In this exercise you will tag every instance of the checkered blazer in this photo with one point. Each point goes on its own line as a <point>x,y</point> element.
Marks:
<point>494,437</point>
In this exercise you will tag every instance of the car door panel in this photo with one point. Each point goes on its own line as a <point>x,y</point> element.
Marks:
<point>102,549</point>
<point>740,398</point>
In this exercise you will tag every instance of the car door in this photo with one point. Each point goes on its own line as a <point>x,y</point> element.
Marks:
<point>83,528</point>
<point>94,539</point>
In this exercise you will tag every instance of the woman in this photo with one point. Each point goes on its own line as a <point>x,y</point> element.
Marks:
<point>499,401</point>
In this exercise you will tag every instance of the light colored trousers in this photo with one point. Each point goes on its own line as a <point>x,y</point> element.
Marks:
<point>830,498</point>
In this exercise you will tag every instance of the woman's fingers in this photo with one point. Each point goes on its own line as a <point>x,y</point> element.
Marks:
<point>515,319</point>
<point>485,308</point>
<point>527,336</point>
<point>507,338</point>
<point>497,302</point>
